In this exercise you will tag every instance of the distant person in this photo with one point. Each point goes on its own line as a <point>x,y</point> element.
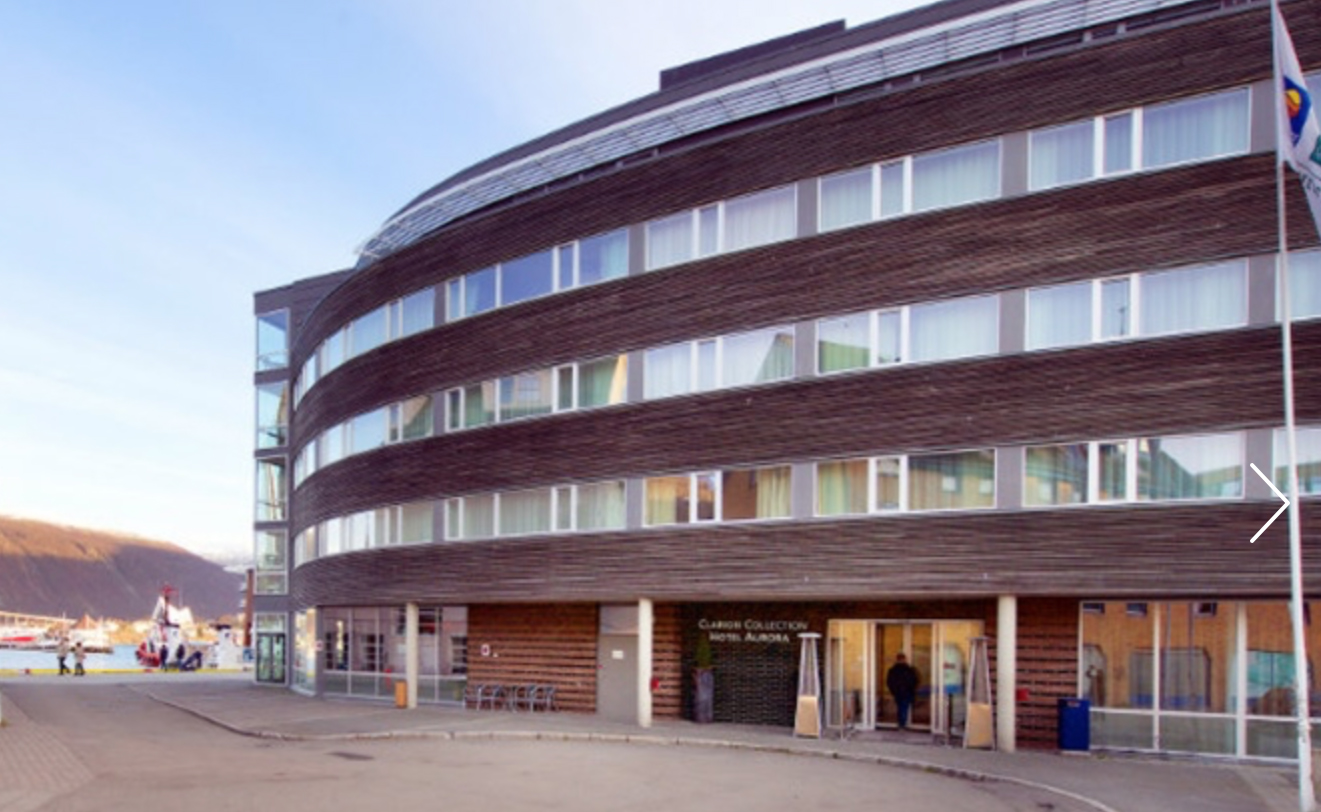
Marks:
<point>180,654</point>
<point>901,679</point>
<point>62,654</point>
<point>79,655</point>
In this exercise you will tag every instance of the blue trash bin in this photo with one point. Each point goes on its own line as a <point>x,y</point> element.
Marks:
<point>1075,724</point>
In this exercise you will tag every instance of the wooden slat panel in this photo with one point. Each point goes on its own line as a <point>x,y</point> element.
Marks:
<point>543,644</point>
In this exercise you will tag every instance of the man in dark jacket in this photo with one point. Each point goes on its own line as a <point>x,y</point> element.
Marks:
<point>901,679</point>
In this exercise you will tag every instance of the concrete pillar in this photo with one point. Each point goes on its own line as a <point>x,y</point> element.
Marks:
<point>410,652</point>
<point>646,625</point>
<point>1006,670</point>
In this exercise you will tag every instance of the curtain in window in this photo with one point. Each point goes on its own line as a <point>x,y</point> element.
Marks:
<point>841,487</point>
<point>668,371</point>
<point>843,343</point>
<point>1304,285</point>
<point>527,277</point>
<point>956,329</point>
<point>523,512</point>
<point>956,176</point>
<point>603,382</point>
<point>416,523</point>
<point>758,357</point>
<point>1061,155</point>
<point>479,516</point>
<point>945,481</point>
<point>670,240</point>
<point>667,500</point>
<point>846,199</point>
<point>601,506</point>
<point>887,483</point>
<point>1212,297</point>
<point>415,418</point>
<point>760,493</point>
<point>479,404</point>
<point>761,218</point>
<point>603,257</point>
<point>1059,316</point>
<point>1195,467</point>
<point>418,312</point>
<point>1195,129</point>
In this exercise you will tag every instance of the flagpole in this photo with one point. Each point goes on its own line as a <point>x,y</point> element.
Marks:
<point>1306,791</point>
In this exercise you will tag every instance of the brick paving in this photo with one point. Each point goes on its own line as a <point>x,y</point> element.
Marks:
<point>34,765</point>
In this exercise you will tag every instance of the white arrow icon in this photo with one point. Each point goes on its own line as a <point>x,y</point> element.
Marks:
<point>1283,507</point>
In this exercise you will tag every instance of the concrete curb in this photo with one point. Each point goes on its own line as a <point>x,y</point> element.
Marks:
<point>641,739</point>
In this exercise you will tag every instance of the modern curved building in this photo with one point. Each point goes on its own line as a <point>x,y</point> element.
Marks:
<point>961,325</point>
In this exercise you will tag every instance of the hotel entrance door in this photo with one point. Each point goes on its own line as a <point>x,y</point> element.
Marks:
<point>859,653</point>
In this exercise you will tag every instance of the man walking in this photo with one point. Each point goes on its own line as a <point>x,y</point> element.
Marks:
<point>62,653</point>
<point>79,655</point>
<point>901,679</point>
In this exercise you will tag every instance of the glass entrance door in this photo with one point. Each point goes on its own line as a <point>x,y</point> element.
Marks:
<point>859,654</point>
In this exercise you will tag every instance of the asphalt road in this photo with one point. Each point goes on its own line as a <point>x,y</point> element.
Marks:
<point>111,748</point>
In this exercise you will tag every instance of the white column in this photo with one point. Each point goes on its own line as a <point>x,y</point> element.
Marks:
<point>410,652</point>
<point>1006,670</point>
<point>646,624</point>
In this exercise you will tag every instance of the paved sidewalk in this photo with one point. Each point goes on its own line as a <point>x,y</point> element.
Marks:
<point>1075,782</point>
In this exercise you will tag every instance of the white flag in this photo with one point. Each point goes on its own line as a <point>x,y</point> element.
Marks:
<point>1298,136</point>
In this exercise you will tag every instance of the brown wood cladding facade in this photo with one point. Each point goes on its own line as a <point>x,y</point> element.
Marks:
<point>536,644</point>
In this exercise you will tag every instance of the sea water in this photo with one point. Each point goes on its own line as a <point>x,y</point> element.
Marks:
<point>124,656</point>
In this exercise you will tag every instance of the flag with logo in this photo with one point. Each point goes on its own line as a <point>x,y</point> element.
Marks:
<point>1298,135</point>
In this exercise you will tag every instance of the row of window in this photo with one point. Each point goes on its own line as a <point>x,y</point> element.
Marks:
<point>1159,136</point>
<point>397,423</point>
<point>1140,305</point>
<point>1143,469</point>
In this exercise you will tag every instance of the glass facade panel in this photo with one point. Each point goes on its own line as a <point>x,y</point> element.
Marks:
<point>603,257</point>
<point>841,487</point>
<point>1061,155</point>
<point>603,382</point>
<point>1304,284</point>
<point>272,490</point>
<point>757,493</point>
<point>846,199</point>
<point>417,523</point>
<point>888,483</point>
<point>668,500</point>
<point>893,189</point>
<point>759,357</point>
<point>272,414</point>
<point>273,340</point>
<point>527,277</point>
<point>1195,129</point>
<point>601,506</point>
<point>1116,650</point>
<point>479,404</point>
<point>960,480</point>
<point>524,512</point>
<point>1116,318</point>
<point>1118,143</point>
<point>270,550</point>
<point>1309,460</point>
<point>1212,297</point>
<point>527,395</point>
<point>961,328</point>
<point>479,292</point>
<point>1197,665</point>
<point>953,177</point>
<point>1208,466</point>
<point>761,218</point>
<point>668,371</point>
<point>479,517</point>
<point>843,343</point>
<point>415,419</point>
<point>1055,475</point>
<point>1059,316</point>
<point>1113,484</point>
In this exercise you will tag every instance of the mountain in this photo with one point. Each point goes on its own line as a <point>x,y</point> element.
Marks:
<point>47,569</point>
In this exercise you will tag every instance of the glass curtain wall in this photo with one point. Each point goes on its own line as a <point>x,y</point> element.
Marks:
<point>364,651</point>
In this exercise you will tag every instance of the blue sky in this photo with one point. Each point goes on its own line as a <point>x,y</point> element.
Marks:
<point>161,160</point>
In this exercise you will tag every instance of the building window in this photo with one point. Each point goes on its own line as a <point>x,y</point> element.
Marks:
<point>844,343</point>
<point>956,176</point>
<point>1208,466</point>
<point>760,219</point>
<point>527,277</point>
<point>1212,297</point>
<point>270,556</point>
<point>411,419</point>
<point>734,225</point>
<point>367,432</point>
<point>272,490</point>
<point>601,258</point>
<point>1056,475</point>
<point>1059,316</point>
<point>1062,155</point>
<point>848,199</point>
<point>525,512</point>
<point>273,340</point>
<point>1195,129</point>
<point>1309,460</point>
<point>956,481</point>
<point>272,414</point>
<point>600,506</point>
<point>1304,285</point>
<point>743,359</point>
<point>600,383</point>
<point>754,493</point>
<point>529,394</point>
<point>961,328</point>
<point>368,332</point>
<point>841,487</point>
<point>681,499</point>
<point>416,313</point>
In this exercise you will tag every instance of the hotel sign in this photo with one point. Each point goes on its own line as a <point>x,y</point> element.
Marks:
<point>751,630</point>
